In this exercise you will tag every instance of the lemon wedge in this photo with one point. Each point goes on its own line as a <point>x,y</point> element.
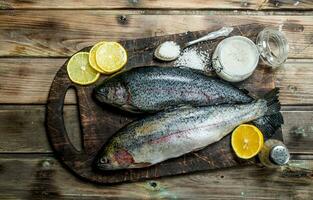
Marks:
<point>247,141</point>
<point>111,57</point>
<point>80,71</point>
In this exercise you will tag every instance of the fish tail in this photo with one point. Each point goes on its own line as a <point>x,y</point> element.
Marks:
<point>272,119</point>
<point>273,104</point>
<point>269,124</point>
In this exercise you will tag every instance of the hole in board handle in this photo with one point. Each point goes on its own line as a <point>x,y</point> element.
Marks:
<point>72,120</point>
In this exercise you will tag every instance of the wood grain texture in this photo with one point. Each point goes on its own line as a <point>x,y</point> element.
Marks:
<point>27,80</point>
<point>22,129</point>
<point>298,131</point>
<point>158,4</point>
<point>51,33</point>
<point>42,177</point>
<point>296,82</point>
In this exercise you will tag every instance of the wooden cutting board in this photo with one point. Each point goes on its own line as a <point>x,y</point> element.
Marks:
<point>99,123</point>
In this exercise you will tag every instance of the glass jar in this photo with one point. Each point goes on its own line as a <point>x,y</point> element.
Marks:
<point>273,47</point>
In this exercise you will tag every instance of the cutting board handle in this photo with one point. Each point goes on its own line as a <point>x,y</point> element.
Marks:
<point>55,119</point>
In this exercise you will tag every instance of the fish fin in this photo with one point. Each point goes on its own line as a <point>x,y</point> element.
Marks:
<point>244,91</point>
<point>272,94</point>
<point>269,124</point>
<point>198,149</point>
<point>199,71</point>
<point>188,68</point>
<point>141,165</point>
<point>181,106</point>
<point>131,109</point>
<point>273,104</point>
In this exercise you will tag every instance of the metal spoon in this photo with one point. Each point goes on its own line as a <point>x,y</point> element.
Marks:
<point>225,31</point>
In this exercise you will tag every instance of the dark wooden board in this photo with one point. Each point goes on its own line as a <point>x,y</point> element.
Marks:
<point>98,123</point>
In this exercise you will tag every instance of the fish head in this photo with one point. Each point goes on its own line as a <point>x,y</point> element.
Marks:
<point>112,92</point>
<point>114,160</point>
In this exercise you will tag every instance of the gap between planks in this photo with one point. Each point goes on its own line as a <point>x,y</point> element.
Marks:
<point>159,4</point>
<point>174,12</point>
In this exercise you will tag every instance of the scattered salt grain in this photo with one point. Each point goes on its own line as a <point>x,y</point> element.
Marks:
<point>194,58</point>
<point>169,49</point>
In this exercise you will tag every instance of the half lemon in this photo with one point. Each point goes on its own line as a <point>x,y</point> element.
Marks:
<point>247,141</point>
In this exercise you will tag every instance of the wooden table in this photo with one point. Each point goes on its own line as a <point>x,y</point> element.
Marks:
<point>36,37</point>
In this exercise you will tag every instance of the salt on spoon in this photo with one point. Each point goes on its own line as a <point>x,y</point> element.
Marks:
<point>170,50</point>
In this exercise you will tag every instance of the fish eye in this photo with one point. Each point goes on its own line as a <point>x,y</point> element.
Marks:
<point>103,160</point>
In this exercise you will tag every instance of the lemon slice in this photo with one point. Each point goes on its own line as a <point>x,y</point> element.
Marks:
<point>247,141</point>
<point>80,71</point>
<point>111,57</point>
<point>92,57</point>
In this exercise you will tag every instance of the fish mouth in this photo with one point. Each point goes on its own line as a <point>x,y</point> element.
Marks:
<point>101,166</point>
<point>97,93</point>
<point>100,96</point>
<point>105,167</point>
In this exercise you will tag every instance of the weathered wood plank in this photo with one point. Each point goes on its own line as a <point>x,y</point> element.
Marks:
<point>42,177</point>
<point>296,82</point>
<point>63,32</point>
<point>28,80</point>
<point>298,131</point>
<point>22,129</point>
<point>158,4</point>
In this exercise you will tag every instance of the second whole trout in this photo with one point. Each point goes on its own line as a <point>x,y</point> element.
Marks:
<point>172,133</point>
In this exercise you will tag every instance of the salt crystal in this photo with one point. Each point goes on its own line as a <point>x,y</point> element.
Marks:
<point>194,58</point>
<point>169,49</point>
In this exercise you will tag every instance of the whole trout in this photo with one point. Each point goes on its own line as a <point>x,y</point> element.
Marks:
<point>151,89</point>
<point>176,132</point>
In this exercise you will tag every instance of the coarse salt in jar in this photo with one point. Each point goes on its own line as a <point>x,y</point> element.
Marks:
<point>235,58</point>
